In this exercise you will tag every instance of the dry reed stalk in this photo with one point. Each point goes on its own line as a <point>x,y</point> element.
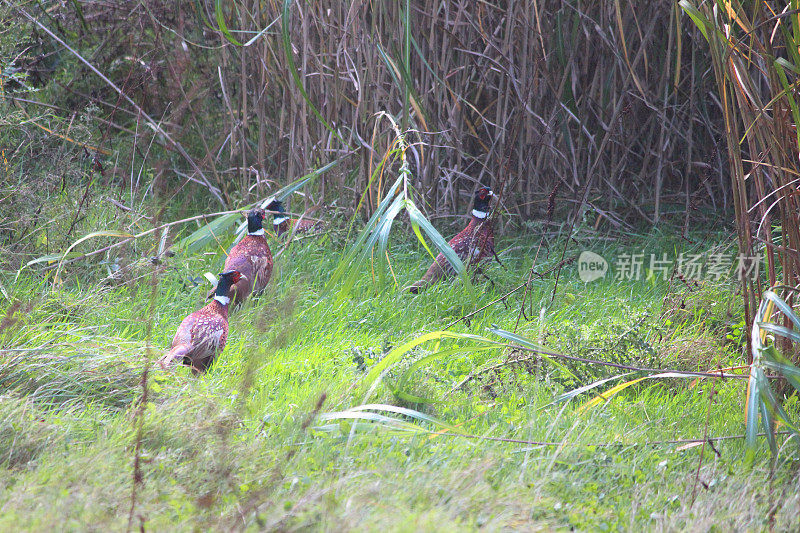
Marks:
<point>605,88</point>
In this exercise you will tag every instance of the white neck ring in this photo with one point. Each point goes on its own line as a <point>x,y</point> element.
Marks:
<point>479,214</point>
<point>256,232</point>
<point>280,220</point>
<point>224,300</point>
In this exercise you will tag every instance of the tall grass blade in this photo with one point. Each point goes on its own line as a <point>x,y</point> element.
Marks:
<point>613,391</point>
<point>93,235</point>
<point>406,63</point>
<point>767,406</point>
<point>761,399</point>
<point>586,388</point>
<point>779,330</point>
<point>217,228</point>
<point>395,355</point>
<point>527,343</point>
<point>348,268</point>
<point>399,390</point>
<point>362,412</point>
<point>781,304</point>
<point>700,20</point>
<point>418,220</point>
<point>774,360</point>
<point>220,17</point>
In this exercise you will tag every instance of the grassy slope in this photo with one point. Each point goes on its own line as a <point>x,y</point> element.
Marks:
<point>234,449</point>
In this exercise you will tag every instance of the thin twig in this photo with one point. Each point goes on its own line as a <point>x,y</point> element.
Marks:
<point>633,368</point>
<point>137,236</point>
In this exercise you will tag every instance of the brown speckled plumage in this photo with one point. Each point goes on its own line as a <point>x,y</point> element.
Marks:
<point>253,258</point>
<point>203,334</point>
<point>304,225</point>
<point>473,244</point>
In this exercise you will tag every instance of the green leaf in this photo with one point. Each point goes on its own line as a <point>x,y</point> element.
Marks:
<point>348,268</point>
<point>199,8</point>
<point>616,389</point>
<point>363,412</point>
<point>52,258</point>
<point>217,227</point>
<point>789,89</point>
<point>580,390</point>
<point>208,233</point>
<point>405,412</point>
<point>412,215</point>
<point>527,343</point>
<point>766,407</point>
<point>774,360</point>
<point>773,407</point>
<point>439,242</point>
<point>780,330</point>
<point>761,399</point>
<point>221,23</point>
<point>436,238</point>
<point>383,234</point>
<point>395,355</point>
<point>399,389</point>
<point>408,86</point>
<point>257,35</point>
<point>697,17</point>
<point>786,65</point>
<point>751,419</point>
<point>783,306</point>
<point>391,67</point>
<point>371,417</point>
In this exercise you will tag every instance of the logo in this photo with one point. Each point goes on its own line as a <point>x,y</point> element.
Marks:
<point>591,266</point>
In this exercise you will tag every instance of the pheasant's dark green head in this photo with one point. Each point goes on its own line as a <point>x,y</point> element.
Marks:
<point>279,216</point>
<point>483,197</point>
<point>255,219</point>
<point>226,279</point>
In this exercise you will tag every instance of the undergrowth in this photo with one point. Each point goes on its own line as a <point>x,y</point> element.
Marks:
<point>240,447</point>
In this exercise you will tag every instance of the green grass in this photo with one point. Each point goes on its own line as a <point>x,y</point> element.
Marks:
<point>238,448</point>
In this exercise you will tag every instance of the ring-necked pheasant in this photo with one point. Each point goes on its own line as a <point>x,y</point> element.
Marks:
<point>252,257</point>
<point>202,335</point>
<point>473,244</point>
<point>283,223</point>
